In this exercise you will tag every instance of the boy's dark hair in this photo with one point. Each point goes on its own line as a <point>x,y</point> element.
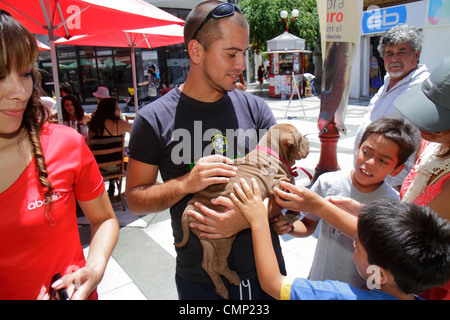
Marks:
<point>410,241</point>
<point>396,130</point>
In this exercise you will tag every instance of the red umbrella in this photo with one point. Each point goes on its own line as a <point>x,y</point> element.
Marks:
<point>67,18</point>
<point>139,38</point>
<point>42,46</point>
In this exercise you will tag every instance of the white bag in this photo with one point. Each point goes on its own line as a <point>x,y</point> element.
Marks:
<point>151,91</point>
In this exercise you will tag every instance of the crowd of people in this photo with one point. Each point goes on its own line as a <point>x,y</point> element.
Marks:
<point>374,243</point>
<point>382,153</point>
<point>106,121</point>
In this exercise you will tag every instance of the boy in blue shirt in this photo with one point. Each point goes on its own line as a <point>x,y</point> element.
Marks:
<point>400,248</point>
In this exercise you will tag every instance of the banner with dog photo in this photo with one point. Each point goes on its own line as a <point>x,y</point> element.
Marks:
<point>340,23</point>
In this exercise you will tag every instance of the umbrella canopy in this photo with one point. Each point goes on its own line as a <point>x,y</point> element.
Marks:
<point>66,18</point>
<point>42,46</point>
<point>138,38</point>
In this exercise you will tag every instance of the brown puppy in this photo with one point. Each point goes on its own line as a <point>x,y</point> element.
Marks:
<point>269,164</point>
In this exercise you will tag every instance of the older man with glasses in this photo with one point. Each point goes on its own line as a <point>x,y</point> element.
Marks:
<point>190,136</point>
<point>400,48</point>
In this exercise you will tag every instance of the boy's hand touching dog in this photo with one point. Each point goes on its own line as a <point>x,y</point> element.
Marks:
<point>250,202</point>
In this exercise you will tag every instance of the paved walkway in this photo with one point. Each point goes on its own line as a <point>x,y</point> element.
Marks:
<point>142,266</point>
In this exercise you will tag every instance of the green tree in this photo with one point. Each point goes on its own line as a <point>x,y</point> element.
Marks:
<point>265,22</point>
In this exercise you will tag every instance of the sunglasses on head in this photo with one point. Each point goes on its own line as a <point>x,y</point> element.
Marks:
<point>221,11</point>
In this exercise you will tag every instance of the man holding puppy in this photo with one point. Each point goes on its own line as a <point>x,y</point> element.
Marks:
<point>206,106</point>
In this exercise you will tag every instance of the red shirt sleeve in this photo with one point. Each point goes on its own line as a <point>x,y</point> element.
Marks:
<point>89,183</point>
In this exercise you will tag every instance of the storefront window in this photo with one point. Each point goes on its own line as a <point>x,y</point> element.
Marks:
<point>68,72</point>
<point>105,66</point>
<point>44,65</point>
<point>89,79</point>
<point>123,75</point>
<point>177,67</point>
<point>104,51</point>
<point>65,52</point>
<point>376,67</point>
<point>87,68</point>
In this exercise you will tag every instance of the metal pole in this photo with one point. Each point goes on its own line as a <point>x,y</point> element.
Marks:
<point>51,38</point>
<point>133,71</point>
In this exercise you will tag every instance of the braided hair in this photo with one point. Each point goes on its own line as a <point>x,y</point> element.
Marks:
<point>18,50</point>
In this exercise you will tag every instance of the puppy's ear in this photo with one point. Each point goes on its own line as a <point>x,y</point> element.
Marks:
<point>304,148</point>
<point>288,141</point>
<point>300,148</point>
<point>291,147</point>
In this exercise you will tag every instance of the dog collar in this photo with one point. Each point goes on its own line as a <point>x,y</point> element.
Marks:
<point>276,155</point>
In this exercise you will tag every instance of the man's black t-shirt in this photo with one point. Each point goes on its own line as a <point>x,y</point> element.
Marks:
<point>175,131</point>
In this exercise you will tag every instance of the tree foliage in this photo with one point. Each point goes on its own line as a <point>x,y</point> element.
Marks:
<point>265,22</point>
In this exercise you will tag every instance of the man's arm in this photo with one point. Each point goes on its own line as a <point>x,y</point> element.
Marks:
<point>146,195</point>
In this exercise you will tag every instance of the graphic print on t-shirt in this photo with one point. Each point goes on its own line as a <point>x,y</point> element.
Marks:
<point>219,142</point>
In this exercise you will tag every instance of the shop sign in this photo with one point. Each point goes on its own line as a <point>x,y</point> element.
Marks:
<point>380,20</point>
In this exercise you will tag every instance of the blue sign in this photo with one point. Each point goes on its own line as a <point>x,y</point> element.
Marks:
<point>380,20</point>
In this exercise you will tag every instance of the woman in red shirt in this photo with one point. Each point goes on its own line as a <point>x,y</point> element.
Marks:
<point>44,170</point>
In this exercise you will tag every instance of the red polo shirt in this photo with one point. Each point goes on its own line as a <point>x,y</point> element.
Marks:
<point>32,250</point>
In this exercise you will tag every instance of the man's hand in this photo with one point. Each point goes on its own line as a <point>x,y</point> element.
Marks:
<point>219,225</point>
<point>208,171</point>
<point>145,194</point>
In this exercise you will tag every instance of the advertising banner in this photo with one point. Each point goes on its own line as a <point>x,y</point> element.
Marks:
<point>378,20</point>
<point>340,22</point>
<point>438,13</point>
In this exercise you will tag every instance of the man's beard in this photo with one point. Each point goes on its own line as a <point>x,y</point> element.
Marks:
<point>396,74</point>
<point>215,84</point>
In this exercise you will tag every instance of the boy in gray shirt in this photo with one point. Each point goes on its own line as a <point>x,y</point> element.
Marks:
<point>385,146</point>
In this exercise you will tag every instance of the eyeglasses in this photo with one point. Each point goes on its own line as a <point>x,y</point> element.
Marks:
<point>221,11</point>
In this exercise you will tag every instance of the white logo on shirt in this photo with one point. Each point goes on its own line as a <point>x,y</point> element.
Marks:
<point>39,203</point>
